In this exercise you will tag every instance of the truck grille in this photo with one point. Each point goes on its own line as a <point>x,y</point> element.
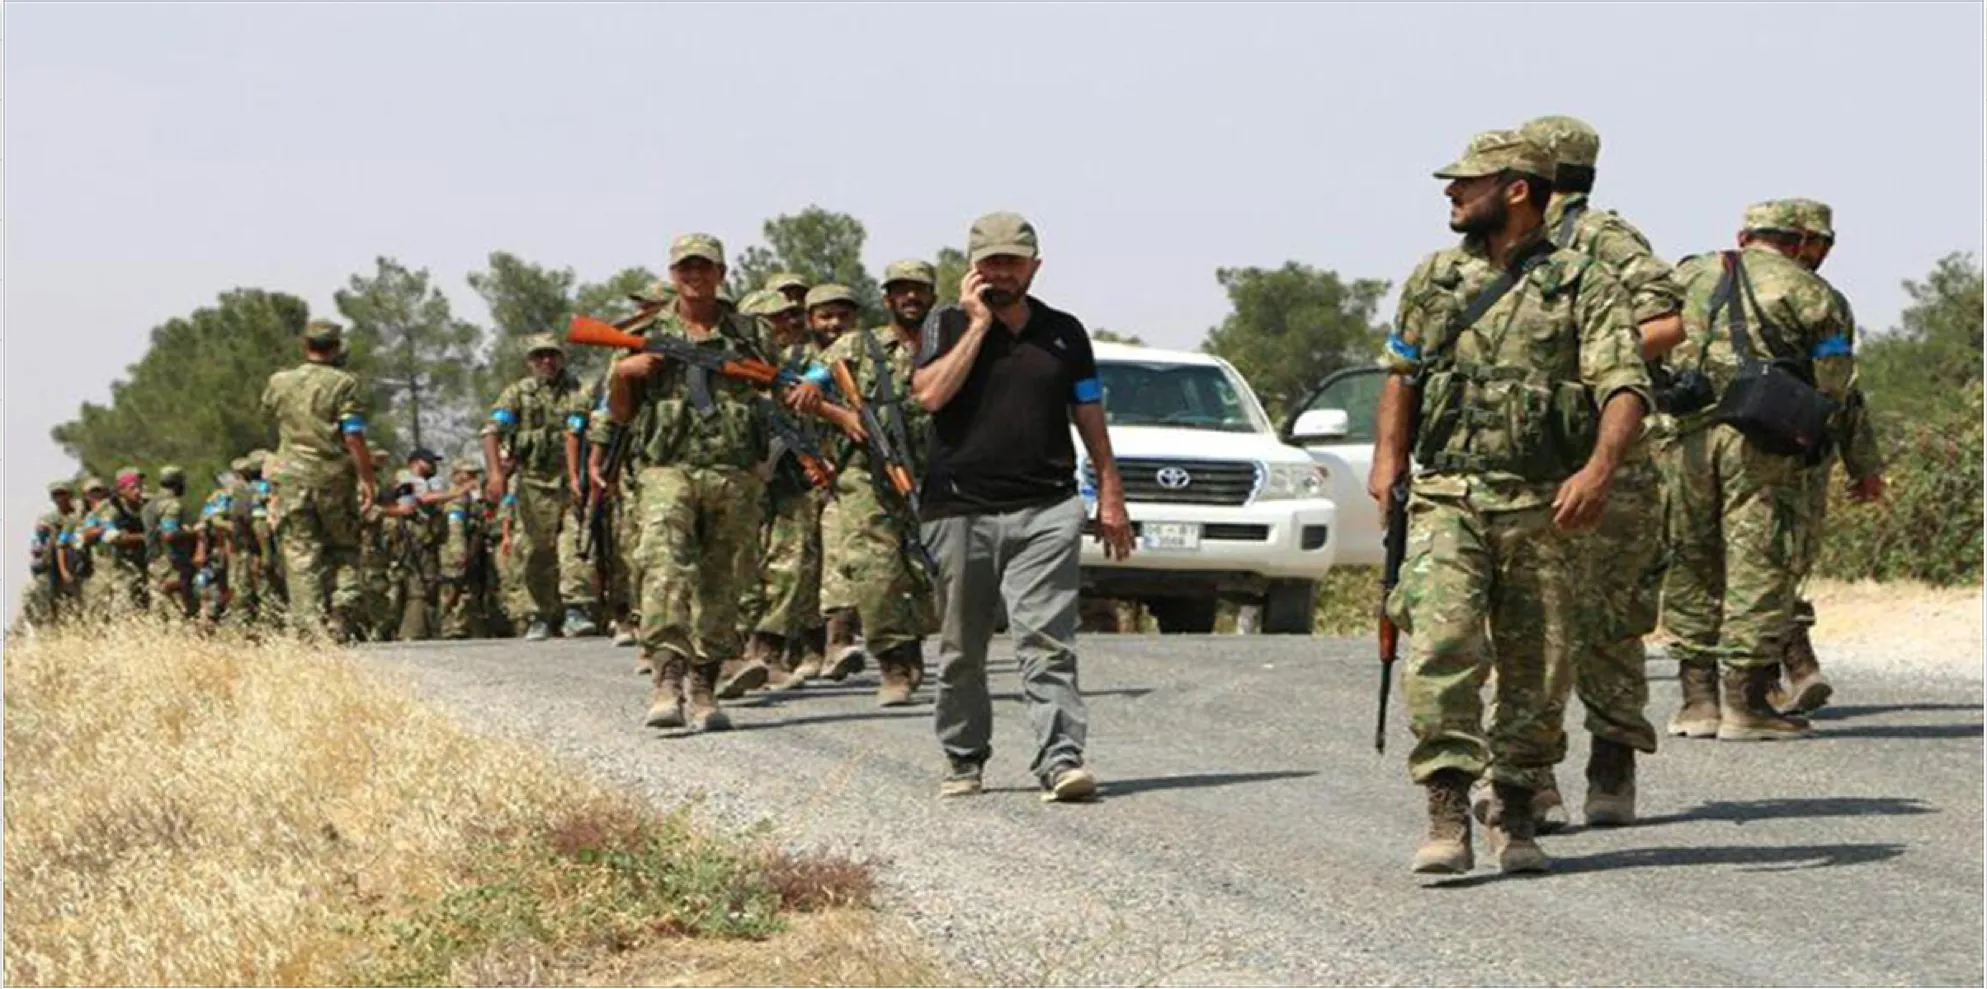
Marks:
<point>1184,482</point>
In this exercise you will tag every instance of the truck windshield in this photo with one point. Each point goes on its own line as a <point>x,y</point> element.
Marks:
<point>1187,396</point>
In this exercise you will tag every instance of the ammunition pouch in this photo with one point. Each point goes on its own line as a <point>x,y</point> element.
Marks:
<point>1482,418</point>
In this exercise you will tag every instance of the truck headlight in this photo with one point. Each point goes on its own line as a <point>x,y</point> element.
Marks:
<point>1285,481</point>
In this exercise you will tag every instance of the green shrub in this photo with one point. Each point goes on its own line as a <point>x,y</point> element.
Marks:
<point>1928,526</point>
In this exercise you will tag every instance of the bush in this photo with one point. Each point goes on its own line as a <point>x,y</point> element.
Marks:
<point>1928,526</point>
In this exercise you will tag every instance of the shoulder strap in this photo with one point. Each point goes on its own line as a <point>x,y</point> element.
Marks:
<point>1503,283</point>
<point>1768,334</point>
<point>1562,236</point>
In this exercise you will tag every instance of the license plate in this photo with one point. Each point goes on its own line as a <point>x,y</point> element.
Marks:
<point>1169,535</point>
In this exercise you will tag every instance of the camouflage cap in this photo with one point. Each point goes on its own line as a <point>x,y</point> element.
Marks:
<point>785,280</point>
<point>1497,151</point>
<point>1783,215</point>
<point>239,465</point>
<point>61,487</point>
<point>539,343</point>
<point>172,472</point>
<point>1570,140</point>
<point>376,451</point>
<point>1001,233</point>
<point>766,302</point>
<point>1815,218</point>
<point>469,467</point>
<point>95,483</point>
<point>257,458</point>
<point>696,246</point>
<point>911,271</point>
<point>821,295</point>
<point>324,334</point>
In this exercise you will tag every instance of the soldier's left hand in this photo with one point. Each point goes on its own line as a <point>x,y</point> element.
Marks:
<point>1580,499</point>
<point>804,398</point>
<point>1114,527</point>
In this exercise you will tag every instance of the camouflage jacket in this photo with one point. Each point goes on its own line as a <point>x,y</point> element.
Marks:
<point>854,349</point>
<point>731,432</point>
<point>1810,322</point>
<point>1604,236</point>
<point>1509,403</point>
<point>533,417</point>
<point>314,407</point>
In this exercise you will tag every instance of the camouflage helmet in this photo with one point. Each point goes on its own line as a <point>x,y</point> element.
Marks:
<point>324,334</point>
<point>172,472</point>
<point>920,272</point>
<point>1778,215</point>
<point>821,295</point>
<point>765,302</point>
<point>784,280</point>
<point>95,483</point>
<point>1495,151</point>
<point>1815,218</point>
<point>539,343</point>
<point>696,246</point>
<point>1570,140</point>
<point>61,487</point>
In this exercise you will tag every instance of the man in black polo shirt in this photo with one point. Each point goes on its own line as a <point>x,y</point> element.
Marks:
<point>1003,376</point>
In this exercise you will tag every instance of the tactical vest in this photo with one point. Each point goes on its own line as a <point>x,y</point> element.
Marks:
<point>680,428</point>
<point>538,441</point>
<point>1501,390</point>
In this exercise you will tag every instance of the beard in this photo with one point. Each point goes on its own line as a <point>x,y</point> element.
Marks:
<point>1482,217</point>
<point>910,313</point>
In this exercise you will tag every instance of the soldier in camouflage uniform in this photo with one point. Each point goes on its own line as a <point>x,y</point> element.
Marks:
<point>538,419</point>
<point>1740,514</point>
<point>52,590</point>
<point>701,436</point>
<point>377,616</point>
<point>213,545</point>
<point>255,574</point>
<point>76,546</point>
<point>1509,345</point>
<point>115,533</point>
<point>1624,550</point>
<point>869,569</point>
<point>783,617</point>
<point>169,548</point>
<point>1806,688</point>
<point>324,474</point>
<point>464,564</point>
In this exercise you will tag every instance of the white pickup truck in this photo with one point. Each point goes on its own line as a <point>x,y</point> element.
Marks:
<point>1222,507</point>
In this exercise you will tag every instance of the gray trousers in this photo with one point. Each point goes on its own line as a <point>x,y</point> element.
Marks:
<point>1029,558</point>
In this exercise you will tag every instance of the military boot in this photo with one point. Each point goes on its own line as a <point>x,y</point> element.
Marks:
<point>786,667</point>
<point>1698,717</point>
<point>1610,784</point>
<point>1807,690</point>
<point>1446,851</point>
<point>895,662</point>
<point>846,657</point>
<point>1548,807</point>
<point>578,624</point>
<point>705,715</point>
<point>1746,717</point>
<point>1514,831</point>
<point>666,701</point>
<point>750,672</point>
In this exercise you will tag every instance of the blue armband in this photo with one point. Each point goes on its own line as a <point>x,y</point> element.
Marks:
<point>352,424</point>
<point>1089,391</point>
<point>576,423</point>
<point>817,375</point>
<point>168,525</point>
<point>262,487</point>
<point>1835,346</point>
<point>503,417</point>
<point>1402,349</point>
<point>457,515</point>
<point>509,499</point>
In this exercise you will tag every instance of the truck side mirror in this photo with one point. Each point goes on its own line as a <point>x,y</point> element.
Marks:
<point>1320,424</point>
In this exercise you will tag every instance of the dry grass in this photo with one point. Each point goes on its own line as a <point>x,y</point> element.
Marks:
<point>211,811</point>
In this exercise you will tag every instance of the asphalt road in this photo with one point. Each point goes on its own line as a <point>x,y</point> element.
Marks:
<point>1249,834</point>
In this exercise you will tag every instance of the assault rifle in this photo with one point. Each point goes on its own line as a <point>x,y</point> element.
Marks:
<point>887,464</point>
<point>589,332</point>
<point>1395,544</point>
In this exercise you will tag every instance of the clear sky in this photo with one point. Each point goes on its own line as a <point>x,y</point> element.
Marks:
<point>158,155</point>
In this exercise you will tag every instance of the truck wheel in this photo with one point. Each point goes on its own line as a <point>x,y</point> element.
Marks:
<point>1189,616</point>
<point>1287,607</point>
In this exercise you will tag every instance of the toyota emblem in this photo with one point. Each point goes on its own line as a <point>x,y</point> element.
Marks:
<point>1173,478</point>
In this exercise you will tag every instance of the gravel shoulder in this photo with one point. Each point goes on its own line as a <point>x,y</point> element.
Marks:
<point>1248,834</point>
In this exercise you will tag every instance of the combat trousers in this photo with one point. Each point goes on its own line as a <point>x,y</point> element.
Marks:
<point>1624,558</point>
<point>627,580</point>
<point>1485,591</point>
<point>1737,519</point>
<point>540,513</point>
<point>789,595</point>
<point>700,550</point>
<point>1029,559</point>
<point>1808,550</point>
<point>867,567</point>
<point>578,586</point>
<point>319,533</point>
